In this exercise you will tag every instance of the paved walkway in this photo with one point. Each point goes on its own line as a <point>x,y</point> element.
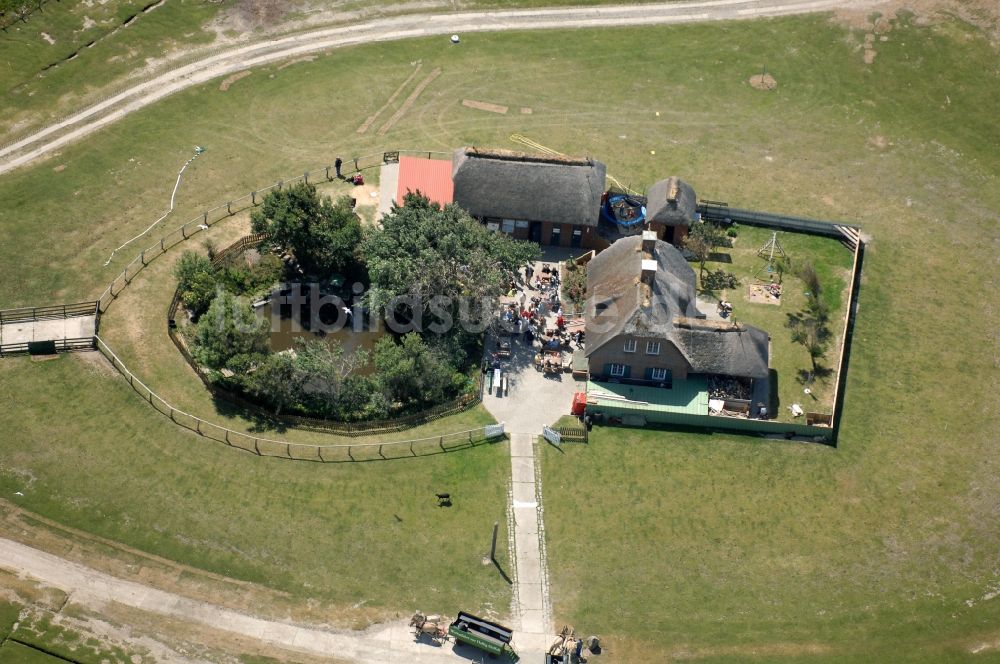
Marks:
<point>239,58</point>
<point>533,400</point>
<point>535,631</point>
<point>54,329</point>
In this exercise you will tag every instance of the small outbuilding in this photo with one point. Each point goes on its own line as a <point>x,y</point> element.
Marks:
<point>671,208</point>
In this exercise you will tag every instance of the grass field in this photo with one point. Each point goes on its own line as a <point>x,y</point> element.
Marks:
<point>728,548</point>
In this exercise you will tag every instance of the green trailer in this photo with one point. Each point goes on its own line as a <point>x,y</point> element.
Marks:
<point>488,636</point>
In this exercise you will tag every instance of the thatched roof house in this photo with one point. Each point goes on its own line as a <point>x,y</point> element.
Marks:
<point>641,297</point>
<point>671,202</point>
<point>501,184</point>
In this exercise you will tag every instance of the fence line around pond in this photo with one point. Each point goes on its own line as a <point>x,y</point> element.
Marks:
<point>262,446</point>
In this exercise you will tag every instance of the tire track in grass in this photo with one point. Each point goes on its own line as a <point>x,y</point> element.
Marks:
<point>409,102</point>
<point>374,116</point>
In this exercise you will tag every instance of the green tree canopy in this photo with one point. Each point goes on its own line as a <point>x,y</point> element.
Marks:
<point>411,372</point>
<point>196,281</point>
<point>229,331</point>
<point>323,235</point>
<point>425,251</point>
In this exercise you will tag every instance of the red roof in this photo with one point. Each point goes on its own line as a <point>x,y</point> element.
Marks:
<point>432,177</point>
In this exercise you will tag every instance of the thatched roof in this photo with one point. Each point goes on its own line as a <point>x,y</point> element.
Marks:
<point>619,303</point>
<point>513,185</point>
<point>671,202</point>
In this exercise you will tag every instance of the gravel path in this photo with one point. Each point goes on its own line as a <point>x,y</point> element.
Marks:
<point>239,58</point>
<point>87,587</point>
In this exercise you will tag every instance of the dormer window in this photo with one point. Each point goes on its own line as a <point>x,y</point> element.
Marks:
<point>630,345</point>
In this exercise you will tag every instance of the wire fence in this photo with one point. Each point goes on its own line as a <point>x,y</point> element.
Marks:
<point>270,447</point>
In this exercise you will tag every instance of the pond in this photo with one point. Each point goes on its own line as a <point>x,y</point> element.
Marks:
<point>332,325</point>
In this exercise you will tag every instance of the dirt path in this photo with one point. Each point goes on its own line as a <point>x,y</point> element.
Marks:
<point>98,592</point>
<point>240,58</point>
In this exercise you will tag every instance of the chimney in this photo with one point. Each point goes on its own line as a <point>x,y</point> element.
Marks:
<point>649,243</point>
<point>648,271</point>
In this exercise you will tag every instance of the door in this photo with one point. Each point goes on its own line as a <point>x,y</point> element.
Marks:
<point>577,237</point>
<point>535,233</point>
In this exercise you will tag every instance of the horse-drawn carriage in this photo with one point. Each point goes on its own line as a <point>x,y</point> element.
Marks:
<point>434,627</point>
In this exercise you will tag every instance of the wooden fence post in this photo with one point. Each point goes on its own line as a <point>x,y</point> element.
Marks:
<point>205,218</point>
<point>184,231</point>
<point>319,453</point>
<point>229,208</point>
<point>161,246</point>
<point>256,446</point>
<point>197,427</point>
<point>288,450</point>
<point>412,453</point>
<point>327,173</point>
<point>380,451</point>
<point>441,443</point>
<point>142,256</point>
<point>227,437</point>
<point>305,177</point>
<point>493,546</point>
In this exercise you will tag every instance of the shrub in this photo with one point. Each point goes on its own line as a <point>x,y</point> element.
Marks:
<point>196,281</point>
<point>719,279</point>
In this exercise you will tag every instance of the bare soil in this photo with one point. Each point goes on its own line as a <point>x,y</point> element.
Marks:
<point>763,82</point>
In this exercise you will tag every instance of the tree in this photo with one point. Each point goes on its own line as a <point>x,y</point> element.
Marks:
<point>275,380</point>
<point>701,240</point>
<point>196,282</point>
<point>809,327</point>
<point>322,235</point>
<point>426,252</point>
<point>229,330</point>
<point>410,372</point>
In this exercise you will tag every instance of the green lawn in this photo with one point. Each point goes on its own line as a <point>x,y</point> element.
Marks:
<point>833,264</point>
<point>666,543</point>
<point>88,453</point>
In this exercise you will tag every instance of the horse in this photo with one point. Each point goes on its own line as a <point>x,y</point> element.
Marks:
<point>433,626</point>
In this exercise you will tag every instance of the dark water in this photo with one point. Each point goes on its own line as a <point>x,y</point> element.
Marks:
<point>285,331</point>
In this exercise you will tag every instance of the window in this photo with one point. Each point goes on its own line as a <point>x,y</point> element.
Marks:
<point>617,370</point>
<point>508,226</point>
<point>521,224</point>
<point>630,345</point>
<point>659,375</point>
<point>652,348</point>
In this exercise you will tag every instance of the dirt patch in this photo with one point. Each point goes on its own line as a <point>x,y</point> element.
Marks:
<point>47,37</point>
<point>232,79</point>
<point>880,142</point>
<point>304,58</point>
<point>764,294</point>
<point>484,106</point>
<point>96,362</point>
<point>763,82</point>
<point>870,54</point>
<point>525,110</point>
<point>60,168</point>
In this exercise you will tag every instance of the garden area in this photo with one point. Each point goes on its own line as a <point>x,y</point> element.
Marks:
<point>791,285</point>
<point>412,289</point>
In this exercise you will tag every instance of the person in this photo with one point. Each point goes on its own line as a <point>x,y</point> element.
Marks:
<point>560,321</point>
<point>337,164</point>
